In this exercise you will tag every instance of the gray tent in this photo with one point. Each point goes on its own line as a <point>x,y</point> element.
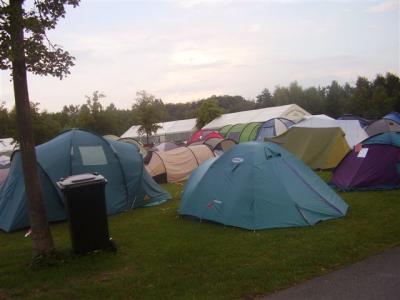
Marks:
<point>217,144</point>
<point>220,144</point>
<point>142,150</point>
<point>381,126</point>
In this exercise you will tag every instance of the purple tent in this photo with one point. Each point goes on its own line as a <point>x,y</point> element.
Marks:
<point>374,164</point>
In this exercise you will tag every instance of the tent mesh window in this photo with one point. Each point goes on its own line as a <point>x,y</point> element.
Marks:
<point>93,155</point>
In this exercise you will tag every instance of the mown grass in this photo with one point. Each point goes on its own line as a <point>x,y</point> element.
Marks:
<point>163,256</point>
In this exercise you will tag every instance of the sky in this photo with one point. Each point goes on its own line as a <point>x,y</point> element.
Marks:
<point>186,50</point>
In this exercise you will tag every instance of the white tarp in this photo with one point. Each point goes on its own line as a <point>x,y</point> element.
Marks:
<point>354,133</point>
<point>7,145</point>
<point>172,127</point>
<point>325,117</point>
<point>291,111</point>
<point>131,132</point>
<point>4,160</point>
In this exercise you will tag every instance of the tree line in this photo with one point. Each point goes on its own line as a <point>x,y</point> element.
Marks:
<point>369,99</point>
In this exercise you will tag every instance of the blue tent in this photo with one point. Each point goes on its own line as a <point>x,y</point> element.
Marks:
<point>75,152</point>
<point>258,185</point>
<point>273,127</point>
<point>393,116</point>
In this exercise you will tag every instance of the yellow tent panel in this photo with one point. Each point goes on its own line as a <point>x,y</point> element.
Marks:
<point>320,148</point>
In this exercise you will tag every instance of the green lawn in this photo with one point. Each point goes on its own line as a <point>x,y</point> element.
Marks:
<point>163,256</point>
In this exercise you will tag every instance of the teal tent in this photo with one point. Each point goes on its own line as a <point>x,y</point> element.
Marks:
<point>259,185</point>
<point>75,152</point>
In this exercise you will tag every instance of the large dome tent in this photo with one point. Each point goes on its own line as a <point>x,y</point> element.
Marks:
<point>259,185</point>
<point>374,164</point>
<point>75,152</point>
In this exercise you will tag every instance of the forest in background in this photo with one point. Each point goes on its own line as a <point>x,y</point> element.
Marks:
<point>368,99</point>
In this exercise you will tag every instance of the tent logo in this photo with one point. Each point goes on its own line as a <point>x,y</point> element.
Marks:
<point>237,160</point>
<point>211,204</point>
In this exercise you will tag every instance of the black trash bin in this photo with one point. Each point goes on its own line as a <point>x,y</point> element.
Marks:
<point>84,196</point>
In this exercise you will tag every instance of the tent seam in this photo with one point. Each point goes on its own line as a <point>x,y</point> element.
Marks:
<point>311,188</point>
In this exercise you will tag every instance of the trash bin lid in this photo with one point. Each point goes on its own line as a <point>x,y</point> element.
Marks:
<point>80,180</point>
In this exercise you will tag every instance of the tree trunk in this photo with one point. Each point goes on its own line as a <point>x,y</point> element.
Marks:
<point>42,239</point>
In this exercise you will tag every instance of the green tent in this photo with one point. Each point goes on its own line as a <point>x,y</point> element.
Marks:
<point>235,132</point>
<point>320,148</point>
<point>243,132</point>
<point>224,130</point>
<point>259,185</point>
<point>249,132</point>
<point>75,152</point>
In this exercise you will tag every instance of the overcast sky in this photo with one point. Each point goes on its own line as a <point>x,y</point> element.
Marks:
<point>186,50</point>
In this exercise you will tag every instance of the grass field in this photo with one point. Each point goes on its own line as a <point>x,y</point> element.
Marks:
<point>163,256</point>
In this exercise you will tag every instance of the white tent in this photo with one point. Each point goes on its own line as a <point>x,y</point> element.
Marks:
<point>354,133</point>
<point>292,112</point>
<point>7,145</point>
<point>168,132</point>
<point>324,117</point>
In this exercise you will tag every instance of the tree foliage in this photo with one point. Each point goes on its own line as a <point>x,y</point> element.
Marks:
<point>208,111</point>
<point>381,97</point>
<point>42,57</point>
<point>148,112</point>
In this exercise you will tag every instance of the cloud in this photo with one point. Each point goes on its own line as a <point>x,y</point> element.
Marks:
<point>197,58</point>
<point>386,6</point>
<point>254,28</point>
<point>195,48</point>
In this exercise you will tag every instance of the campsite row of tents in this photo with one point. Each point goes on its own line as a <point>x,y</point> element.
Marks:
<point>253,185</point>
<point>319,141</point>
<point>182,130</point>
<point>269,122</point>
